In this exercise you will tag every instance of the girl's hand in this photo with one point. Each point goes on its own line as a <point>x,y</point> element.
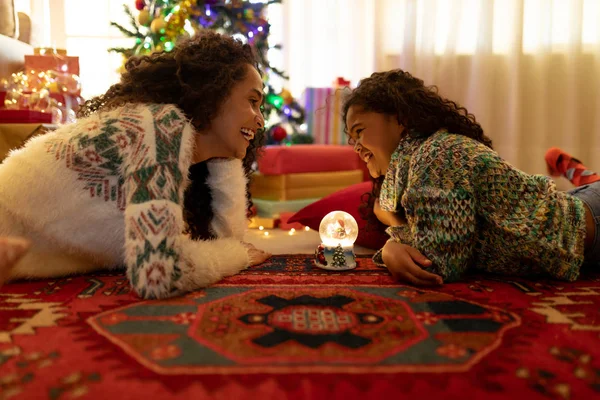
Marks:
<point>256,256</point>
<point>387,217</point>
<point>406,264</point>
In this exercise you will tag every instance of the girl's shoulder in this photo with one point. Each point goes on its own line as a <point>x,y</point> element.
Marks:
<point>446,150</point>
<point>443,139</point>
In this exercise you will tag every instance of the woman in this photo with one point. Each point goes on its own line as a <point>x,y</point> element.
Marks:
<point>113,188</point>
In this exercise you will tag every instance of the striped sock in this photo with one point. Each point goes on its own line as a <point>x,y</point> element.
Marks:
<point>561,163</point>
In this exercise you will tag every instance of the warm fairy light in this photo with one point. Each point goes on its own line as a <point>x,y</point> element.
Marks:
<point>290,233</point>
<point>293,230</point>
<point>266,233</point>
<point>306,228</point>
<point>260,228</point>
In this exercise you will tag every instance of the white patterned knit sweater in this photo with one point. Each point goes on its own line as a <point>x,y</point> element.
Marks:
<point>108,191</point>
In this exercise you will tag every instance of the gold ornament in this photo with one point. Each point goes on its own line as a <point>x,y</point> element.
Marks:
<point>144,17</point>
<point>286,96</point>
<point>157,25</point>
<point>121,69</point>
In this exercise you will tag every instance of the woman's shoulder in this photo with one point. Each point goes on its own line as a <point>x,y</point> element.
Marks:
<point>149,110</point>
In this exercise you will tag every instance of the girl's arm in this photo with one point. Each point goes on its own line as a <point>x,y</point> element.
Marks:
<point>443,227</point>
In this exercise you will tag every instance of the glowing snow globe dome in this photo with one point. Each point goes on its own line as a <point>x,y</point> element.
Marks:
<point>338,227</point>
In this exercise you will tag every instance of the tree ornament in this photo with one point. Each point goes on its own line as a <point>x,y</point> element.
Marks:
<point>157,25</point>
<point>140,4</point>
<point>286,96</point>
<point>278,133</point>
<point>275,100</point>
<point>144,17</point>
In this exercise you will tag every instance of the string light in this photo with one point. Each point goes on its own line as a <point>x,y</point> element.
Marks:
<point>306,228</point>
<point>266,233</point>
<point>260,228</point>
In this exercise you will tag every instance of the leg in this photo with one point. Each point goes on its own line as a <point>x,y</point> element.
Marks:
<point>12,249</point>
<point>33,256</point>
<point>590,196</point>
<point>560,163</point>
<point>38,264</point>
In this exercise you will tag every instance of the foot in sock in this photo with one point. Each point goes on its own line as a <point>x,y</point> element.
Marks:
<point>561,163</point>
<point>12,249</point>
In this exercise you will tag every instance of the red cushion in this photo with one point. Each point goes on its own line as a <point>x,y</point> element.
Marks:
<point>301,158</point>
<point>349,200</point>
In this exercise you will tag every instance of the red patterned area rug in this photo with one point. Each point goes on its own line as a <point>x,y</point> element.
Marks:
<point>287,330</point>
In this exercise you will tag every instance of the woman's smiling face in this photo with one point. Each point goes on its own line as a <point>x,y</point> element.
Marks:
<point>374,136</point>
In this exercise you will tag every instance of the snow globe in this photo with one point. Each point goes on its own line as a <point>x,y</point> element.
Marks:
<point>338,231</point>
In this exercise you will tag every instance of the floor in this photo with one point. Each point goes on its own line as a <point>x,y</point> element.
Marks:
<point>277,241</point>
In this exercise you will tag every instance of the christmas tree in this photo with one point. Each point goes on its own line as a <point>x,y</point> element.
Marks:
<point>339,260</point>
<point>160,23</point>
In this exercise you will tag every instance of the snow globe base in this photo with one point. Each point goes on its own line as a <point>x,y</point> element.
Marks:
<point>335,258</point>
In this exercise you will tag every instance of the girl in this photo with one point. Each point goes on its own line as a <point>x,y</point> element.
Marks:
<point>451,202</point>
<point>113,188</point>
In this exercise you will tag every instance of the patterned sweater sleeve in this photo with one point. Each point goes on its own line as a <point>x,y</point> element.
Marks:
<point>161,261</point>
<point>442,225</point>
<point>440,206</point>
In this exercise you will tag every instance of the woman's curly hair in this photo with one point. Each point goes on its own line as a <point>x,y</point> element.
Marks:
<point>419,108</point>
<point>198,75</point>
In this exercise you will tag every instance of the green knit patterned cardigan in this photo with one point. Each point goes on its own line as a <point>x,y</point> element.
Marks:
<point>468,208</point>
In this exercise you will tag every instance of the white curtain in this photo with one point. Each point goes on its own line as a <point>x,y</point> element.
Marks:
<point>528,69</point>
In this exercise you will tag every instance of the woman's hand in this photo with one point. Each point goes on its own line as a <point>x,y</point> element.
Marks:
<point>388,218</point>
<point>256,256</point>
<point>406,264</point>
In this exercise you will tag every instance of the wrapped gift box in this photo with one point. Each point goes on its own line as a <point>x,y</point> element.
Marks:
<point>53,62</point>
<point>266,223</point>
<point>284,223</point>
<point>302,158</point>
<point>302,186</point>
<point>323,107</point>
<point>9,116</point>
<point>13,136</point>
<point>274,208</point>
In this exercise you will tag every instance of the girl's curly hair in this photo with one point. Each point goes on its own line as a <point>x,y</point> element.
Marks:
<point>419,108</point>
<point>198,75</point>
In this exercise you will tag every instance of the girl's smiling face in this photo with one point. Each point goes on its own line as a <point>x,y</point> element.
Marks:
<point>375,137</point>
